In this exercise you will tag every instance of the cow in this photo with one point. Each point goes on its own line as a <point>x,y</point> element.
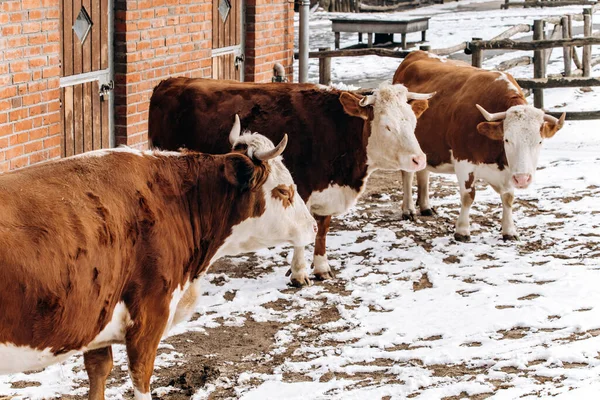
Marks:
<point>108,247</point>
<point>338,137</point>
<point>478,126</point>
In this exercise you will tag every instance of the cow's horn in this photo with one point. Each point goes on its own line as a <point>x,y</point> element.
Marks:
<point>491,117</point>
<point>270,154</point>
<point>554,121</point>
<point>367,101</point>
<point>419,96</point>
<point>235,131</point>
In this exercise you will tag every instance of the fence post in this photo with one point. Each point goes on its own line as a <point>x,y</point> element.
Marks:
<point>586,59</point>
<point>324,68</point>
<point>476,55</point>
<point>564,22</point>
<point>539,69</point>
<point>573,49</point>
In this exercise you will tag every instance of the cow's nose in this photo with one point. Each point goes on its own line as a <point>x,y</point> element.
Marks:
<point>419,162</point>
<point>521,180</point>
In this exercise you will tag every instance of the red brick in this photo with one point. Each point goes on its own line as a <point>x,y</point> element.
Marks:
<point>14,152</point>
<point>34,146</point>
<point>32,27</point>
<point>51,142</point>
<point>39,157</point>
<point>19,162</point>
<point>23,125</point>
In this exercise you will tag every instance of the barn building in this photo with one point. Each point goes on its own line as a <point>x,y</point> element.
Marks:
<point>77,75</point>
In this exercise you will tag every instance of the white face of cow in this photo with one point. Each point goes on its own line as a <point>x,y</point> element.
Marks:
<point>522,128</point>
<point>286,219</point>
<point>393,112</point>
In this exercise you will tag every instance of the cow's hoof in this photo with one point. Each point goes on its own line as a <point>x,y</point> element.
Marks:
<point>300,280</point>
<point>430,212</point>
<point>511,238</point>
<point>408,215</point>
<point>325,275</point>
<point>462,238</point>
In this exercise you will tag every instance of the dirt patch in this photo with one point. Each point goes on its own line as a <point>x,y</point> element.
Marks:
<point>529,297</point>
<point>422,283</point>
<point>514,333</point>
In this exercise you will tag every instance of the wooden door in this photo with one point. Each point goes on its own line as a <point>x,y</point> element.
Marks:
<point>227,40</point>
<point>86,82</point>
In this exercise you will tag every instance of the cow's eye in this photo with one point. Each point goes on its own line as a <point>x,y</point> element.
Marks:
<point>505,140</point>
<point>284,192</point>
<point>540,142</point>
<point>388,128</point>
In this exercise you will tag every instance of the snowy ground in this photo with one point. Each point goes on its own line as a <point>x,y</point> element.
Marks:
<point>412,313</point>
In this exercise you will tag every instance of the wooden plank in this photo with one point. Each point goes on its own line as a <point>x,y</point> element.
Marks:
<point>576,115</point>
<point>586,58</point>
<point>521,28</point>
<point>69,122</point>
<point>546,83</point>
<point>77,47</point>
<point>62,122</point>
<point>232,24</point>
<point>105,124</point>
<point>357,53</point>
<point>88,144</point>
<point>324,69</point>
<point>78,118</point>
<point>238,23</point>
<point>539,63</point>
<point>96,117</point>
<point>222,31</point>
<point>564,22</point>
<point>509,44</point>
<point>96,35</point>
<point>67,31</point>
<point>105,40</point>
<point>215,24</point>
<point>515,62</point>
<point>87,44</point>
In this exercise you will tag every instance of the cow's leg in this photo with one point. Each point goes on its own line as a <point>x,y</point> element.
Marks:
<point>423,193</point>
<point>322,270</point>
<point>298,271</point>
<point>142,341</point>
<point>408,206</point>
<point>98,364</point>
<point>509,232</point>
<point>466,183</point>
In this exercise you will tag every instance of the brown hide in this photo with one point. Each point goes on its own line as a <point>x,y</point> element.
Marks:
<point>326,145</point>
<point>79,235</point>
<point>451,121</point>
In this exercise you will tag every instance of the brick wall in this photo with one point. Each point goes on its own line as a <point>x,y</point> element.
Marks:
<point>30,124</point>
<point>269,38</point>
<point>155,39</point>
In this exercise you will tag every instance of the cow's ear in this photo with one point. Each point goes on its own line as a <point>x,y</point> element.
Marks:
<point>419,106</point>
<point>239,170</point>
<point>549,129</point>
<point>351,105</point>
<point>493,130</point>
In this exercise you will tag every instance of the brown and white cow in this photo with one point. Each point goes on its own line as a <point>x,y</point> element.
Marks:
<point>338,137</point>
<point>460,136</point>
<point>108,247</point>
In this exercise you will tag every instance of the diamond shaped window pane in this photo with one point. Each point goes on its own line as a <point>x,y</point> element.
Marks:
<point>224,7</point>
<point>83,25</point>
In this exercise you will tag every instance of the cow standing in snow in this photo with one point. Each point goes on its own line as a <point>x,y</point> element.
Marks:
<point>108,247</point>
<point>338,137</point>
<point>478,126</point>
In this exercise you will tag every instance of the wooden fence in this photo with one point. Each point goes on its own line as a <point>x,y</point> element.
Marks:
<point>561,37</point>
<point>542,44</point>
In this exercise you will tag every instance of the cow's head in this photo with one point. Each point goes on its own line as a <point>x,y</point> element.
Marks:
<point>522,129</point>
<point>391,112</point>
<point>285,218</point>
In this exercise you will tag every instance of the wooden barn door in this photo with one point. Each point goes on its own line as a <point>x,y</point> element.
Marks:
<point>86,82</point>
<point>227,40</point>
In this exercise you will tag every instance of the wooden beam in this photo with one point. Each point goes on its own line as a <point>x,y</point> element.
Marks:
<point>449,50</point>
<point>521,28</point>
<point>576,115</point>
<point>539,63</point>
<point>546,83</point>
<point>564,23</point>
<point>509,44</point>
<point>357,53</point>
<point>515,62</point>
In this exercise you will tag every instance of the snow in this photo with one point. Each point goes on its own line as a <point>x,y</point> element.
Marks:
<point>518,319</point>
